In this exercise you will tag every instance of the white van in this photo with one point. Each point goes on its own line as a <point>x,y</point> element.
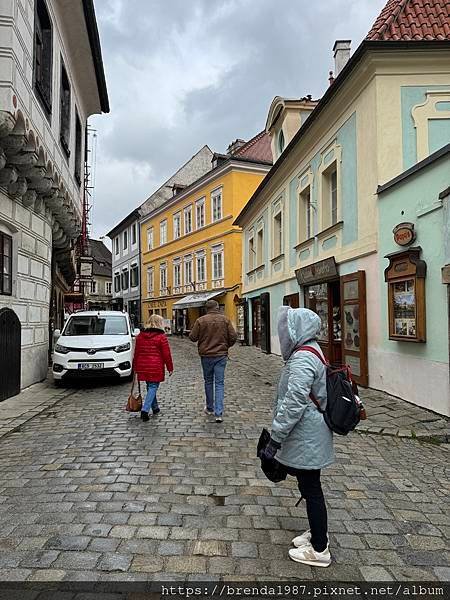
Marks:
<point>94,343</point>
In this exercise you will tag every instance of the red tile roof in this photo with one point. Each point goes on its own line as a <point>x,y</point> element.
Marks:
<point>258,148</point>
<point>412,20</point>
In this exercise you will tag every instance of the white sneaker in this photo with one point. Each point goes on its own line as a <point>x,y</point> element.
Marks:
<point>207,412</point>
<point>308,556</point>
<point>219,419</point>
<point>302,540</point>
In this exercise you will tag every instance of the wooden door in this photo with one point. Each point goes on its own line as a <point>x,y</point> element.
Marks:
<point>10,353</point>
<point>354,325</point>
<point>265,322</point>
<point>256,322</point>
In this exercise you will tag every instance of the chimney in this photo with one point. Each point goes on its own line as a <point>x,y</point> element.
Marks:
<point>341,51</point>
<point>234,146</point>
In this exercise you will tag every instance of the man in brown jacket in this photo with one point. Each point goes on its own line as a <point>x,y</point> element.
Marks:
<point>214,334</point>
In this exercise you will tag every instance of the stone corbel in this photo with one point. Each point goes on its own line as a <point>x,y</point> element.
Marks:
<point>7,123</point>
<point>29,198</point>
<point>8,175</point>
<point>42,186</point>
<point>39,203</point>
<point>2,159</point>
<point>18,188</point>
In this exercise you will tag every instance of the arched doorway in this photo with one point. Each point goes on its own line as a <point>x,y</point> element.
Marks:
<point>10,353</point>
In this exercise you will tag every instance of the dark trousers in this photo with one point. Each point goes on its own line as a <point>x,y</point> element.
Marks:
<point>311,490</point>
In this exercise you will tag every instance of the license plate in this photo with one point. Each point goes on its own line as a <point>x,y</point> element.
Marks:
<point>91,365</point>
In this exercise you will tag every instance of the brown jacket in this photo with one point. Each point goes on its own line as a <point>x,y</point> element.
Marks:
<point>214,334</point>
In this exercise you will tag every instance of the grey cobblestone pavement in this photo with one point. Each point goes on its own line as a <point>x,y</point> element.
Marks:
<point>89,492</point>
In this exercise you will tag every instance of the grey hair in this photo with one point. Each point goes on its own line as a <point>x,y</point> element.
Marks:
<point>211,305</point>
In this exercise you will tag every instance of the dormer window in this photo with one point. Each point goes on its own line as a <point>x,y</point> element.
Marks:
<point>281,142</point>
<point>43,56</point>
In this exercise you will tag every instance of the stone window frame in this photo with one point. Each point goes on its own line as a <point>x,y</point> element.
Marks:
<point>187,210</point>
<point>305,185</point>
<point>251,251</point>
<point>188,260</point>
<point>325,168</point>
<point>201,255</point>
<point>150,237</point>
<point>278,211</point>
<point>65,109</point>
<point>43,49</point>
<point>177,228</point>
<point>217,249</point>
<point>177,264</point>
<point>108,288</point>
<point>150,280</point>
<point>133,228</point>
<point>7,233</point>
<point>125,277</point>
<point>200,203</point>
<point>217,193</point>
<point>134,268</point>
<point>163,226</point>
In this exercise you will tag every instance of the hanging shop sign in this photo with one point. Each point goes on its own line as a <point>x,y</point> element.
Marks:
<point>85,267</point>
<point>324,270</point>
<point>404,234</point>
<point>405,277</point>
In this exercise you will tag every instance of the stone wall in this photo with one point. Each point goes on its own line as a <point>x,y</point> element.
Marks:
<point>32,238</point>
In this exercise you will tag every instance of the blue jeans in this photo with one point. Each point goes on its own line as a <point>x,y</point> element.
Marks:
<point>150,401</point>
<point>214,376</point>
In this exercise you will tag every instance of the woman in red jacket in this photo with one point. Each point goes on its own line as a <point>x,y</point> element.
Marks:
<point>151,357</point>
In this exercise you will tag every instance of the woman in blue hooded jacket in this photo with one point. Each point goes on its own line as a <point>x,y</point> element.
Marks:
<point>300,437</point>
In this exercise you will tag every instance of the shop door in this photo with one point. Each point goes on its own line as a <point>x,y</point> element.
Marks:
<point>293,301</point>
<point>256,322</point>
<point>354,325</point>
<point>324,299</point>
<point>265,322</point>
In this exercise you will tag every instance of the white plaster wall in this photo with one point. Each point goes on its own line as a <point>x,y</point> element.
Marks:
<point>30,300</point>
<point>424,383</point>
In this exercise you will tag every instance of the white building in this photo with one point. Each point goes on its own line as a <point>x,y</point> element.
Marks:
<point>51,81</point>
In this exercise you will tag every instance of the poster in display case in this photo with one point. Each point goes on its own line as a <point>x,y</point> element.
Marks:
<point>405,277</point>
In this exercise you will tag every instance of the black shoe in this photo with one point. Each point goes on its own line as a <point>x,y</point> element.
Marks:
<point>144,415</point>
<point>156,411</point>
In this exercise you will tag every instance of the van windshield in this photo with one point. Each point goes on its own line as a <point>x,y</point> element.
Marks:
<point>96,325</point>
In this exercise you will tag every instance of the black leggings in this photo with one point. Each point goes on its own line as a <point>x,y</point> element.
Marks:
<point>311,490</point>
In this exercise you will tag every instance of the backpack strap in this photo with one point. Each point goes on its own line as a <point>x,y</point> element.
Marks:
<point>323,361</point>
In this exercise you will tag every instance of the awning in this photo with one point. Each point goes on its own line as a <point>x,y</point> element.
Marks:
<point>195,300</point>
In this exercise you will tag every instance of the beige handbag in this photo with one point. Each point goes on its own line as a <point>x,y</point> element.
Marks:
<point>134,403</point>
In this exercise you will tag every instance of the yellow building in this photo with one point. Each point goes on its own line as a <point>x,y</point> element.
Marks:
<point>190,250</point>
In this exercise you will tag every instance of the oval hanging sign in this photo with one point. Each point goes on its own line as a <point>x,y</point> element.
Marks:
<point>404,234</point>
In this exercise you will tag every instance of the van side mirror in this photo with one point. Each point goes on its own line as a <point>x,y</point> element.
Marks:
<point>136,332</point>
<point>56,334</point>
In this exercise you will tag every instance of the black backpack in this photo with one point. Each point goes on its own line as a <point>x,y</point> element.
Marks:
<point>344,409</point>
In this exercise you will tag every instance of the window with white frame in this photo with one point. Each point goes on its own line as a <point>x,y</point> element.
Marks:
<point>188,274</point>
<point>163,278</point>
<point>216,203</point>
<point>188,219</point>
<point>217,262</point>
<point>251,253</point>
<point>305,214</point>
<point>150,238</point>
<point>163,232</point>
<point>125,240</point>
<point>117,244</point>
<point>177,272</point>
<point>117,282</point>
<point>134,275</point>
<point>150,280</point>
<point>133,235</point>
<point>330,196</point>
<point>108,287</point>
<point>260,247</point>
<point>94,287</point>
<point>125,279</point>
<point>278,233</point>
<point>176,225</point>
<point>201,267</point>
<point>200,213</point>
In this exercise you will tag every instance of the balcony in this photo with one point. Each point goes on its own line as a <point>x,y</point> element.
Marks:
<point>218,283</point>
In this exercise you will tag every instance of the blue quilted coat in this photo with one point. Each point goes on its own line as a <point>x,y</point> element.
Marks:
<point>306,441</point>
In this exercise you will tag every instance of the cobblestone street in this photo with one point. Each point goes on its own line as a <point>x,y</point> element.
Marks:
<point>90,492</point>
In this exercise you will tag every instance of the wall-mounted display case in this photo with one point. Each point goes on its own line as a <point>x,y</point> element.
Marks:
<point>405,277</point>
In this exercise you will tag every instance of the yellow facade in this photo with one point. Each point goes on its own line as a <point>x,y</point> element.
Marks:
<point>208,241</point>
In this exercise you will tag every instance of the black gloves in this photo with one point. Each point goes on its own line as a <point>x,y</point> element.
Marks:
<point>270,450</point>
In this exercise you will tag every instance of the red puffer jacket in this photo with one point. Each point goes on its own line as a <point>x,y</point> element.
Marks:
<point>151,355</point>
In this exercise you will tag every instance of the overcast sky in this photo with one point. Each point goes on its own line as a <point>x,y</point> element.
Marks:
<point>184,73</point>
